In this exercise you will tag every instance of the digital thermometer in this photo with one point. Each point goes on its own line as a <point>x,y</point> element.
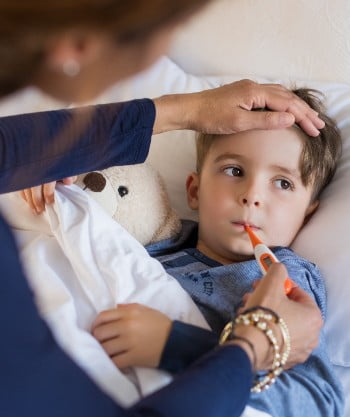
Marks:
<point>265,257</point>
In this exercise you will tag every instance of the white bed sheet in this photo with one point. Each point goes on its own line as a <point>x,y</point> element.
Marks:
<point>80,262</point>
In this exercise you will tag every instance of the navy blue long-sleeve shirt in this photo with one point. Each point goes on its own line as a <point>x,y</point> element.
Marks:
<point>37,377</point>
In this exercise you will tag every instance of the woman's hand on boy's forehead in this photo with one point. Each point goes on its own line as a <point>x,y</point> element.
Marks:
<point>227,110</point>
<point>285,100</point>
<point>287,108</point>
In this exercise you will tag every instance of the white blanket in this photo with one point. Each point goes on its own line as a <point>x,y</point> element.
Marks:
<point>79,262</point>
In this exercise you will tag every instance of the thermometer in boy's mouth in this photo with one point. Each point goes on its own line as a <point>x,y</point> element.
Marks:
<point>265,257</point>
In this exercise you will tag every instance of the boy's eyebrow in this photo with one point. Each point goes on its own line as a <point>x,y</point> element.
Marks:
<point>227,155</point>
<point>294,172</point>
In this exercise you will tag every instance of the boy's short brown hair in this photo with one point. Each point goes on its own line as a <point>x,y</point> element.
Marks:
<point>319,155</point>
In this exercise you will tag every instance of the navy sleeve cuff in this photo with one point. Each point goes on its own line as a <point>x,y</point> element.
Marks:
<point>185,344</point>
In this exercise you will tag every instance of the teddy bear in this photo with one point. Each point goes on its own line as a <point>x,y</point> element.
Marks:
<point>136,197</point>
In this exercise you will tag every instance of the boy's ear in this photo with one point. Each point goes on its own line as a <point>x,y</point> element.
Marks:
<point>192,187</point>
<point>311,210</point>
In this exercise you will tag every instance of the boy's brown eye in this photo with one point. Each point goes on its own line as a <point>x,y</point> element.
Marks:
<point>284,184</point>
<point>233,171</point>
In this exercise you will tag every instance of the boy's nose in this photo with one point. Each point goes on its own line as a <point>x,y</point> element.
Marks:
<point>250,201</point>
<point>250,194</point>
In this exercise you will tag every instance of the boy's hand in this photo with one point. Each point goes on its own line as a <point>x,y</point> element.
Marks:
<point>132,334</point>
<point>38,196</point>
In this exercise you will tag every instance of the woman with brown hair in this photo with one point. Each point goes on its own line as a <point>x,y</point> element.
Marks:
<point>73,50</point>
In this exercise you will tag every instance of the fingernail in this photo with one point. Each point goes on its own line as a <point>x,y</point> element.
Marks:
<point>34,212</point>
<point>286,119</point>
<point>321,124</point>
<point>315,133</point>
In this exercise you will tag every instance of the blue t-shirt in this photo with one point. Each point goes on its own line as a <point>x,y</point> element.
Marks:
<point>309,389</point>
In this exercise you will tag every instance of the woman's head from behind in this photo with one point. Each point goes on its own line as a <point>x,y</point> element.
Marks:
<point>75,49</point>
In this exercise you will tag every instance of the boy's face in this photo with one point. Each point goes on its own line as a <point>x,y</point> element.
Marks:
<point>251,177</point>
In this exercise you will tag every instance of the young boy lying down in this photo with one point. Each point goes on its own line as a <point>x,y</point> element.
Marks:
<point>270,180</point>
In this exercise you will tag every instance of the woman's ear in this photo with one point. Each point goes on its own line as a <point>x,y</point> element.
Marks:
<point>311,210</point>
<point>192,188</point>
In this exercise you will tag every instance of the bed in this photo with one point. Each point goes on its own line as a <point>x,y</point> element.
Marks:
<point>303,42</point>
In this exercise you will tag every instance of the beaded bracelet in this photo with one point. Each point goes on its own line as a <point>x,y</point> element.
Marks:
<point>227,334</point>
<point>267,310</point>
<point>261,318</point>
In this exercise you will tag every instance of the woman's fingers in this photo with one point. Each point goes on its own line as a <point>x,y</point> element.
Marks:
<point>269,291</point>
<point>48,192</point>
<point>23,195</point>
<point>49,189</point>
<point>69,180</point>
<point>38,197</point>
<point>34,197</point>
<point>293,309</point>
<point>282,100</point>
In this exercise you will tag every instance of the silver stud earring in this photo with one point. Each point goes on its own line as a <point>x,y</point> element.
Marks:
<point>71,67</point>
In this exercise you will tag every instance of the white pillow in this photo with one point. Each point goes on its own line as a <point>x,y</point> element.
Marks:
<point>326,238</point>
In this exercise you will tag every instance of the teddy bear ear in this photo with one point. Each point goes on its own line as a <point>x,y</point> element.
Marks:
<point>94,181</point>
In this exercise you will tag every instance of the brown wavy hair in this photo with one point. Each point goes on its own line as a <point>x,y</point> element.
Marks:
<point>319,156</point>
<point>26,26</point>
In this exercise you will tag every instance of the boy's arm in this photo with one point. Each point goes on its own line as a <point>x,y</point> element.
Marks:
<point>137,335</point>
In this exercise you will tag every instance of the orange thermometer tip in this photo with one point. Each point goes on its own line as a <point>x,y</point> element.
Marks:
<point>253,237</point>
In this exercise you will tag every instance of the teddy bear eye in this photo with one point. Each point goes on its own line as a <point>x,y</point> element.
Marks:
<point>123,191</point>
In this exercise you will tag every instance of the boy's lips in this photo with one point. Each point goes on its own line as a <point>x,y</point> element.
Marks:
<point>242,224</point>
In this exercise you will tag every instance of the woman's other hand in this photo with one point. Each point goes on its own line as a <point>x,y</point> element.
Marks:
<point>226,110</point>
<point>38,197</point>
<point>304,334</point>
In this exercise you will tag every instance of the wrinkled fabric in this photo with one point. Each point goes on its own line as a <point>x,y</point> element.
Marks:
<point>88,263</point>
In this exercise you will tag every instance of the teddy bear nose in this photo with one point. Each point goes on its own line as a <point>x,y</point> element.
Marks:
<point>123,191</point>
<point>94,181</point>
